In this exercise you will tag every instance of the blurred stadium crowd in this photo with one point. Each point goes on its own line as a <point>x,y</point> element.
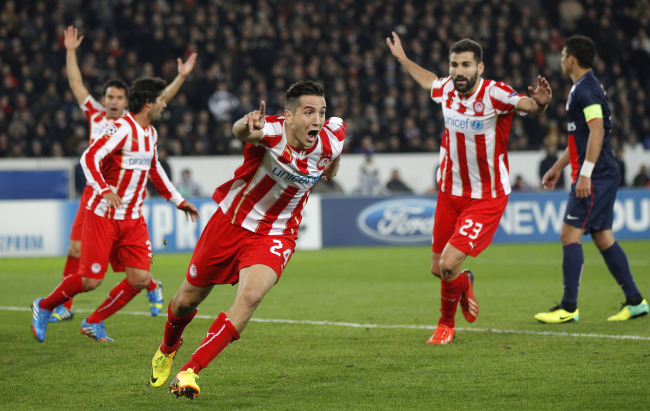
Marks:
<point>251,50</point>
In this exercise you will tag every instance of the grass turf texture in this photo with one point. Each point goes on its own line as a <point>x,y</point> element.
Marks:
<point>505,360</point>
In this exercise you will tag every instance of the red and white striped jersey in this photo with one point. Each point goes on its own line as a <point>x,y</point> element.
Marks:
<point>121,160</point>
<point>269,191</point>
<point>98,121</point>
<point>473,153</point>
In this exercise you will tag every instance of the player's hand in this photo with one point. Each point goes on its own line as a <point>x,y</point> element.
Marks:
<point>542,93</point>
<point>184,69</point>
<point>395,47</point>
<point>71,38</point>
<point>331,169</point>
<point>190,210</point>
<point>583,187</point>
<point>550,178</point>
<point>255,119</point>
<point>112,200</point>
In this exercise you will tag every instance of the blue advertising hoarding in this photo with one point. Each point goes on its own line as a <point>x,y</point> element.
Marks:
<point>529,217</point>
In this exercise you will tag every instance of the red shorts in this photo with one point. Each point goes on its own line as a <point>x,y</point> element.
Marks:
<point>123,243</point>
<point>466,223</point>
<point>224,249</point>
<point>77,225</point>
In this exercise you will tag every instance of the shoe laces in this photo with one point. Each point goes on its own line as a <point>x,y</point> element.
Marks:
<point>160,360</point>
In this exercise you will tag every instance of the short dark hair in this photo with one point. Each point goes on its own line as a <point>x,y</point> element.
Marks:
<point>299,89</point>
<point>115,83</point>
<point>468,45</point>
<point>582,48</point>
<point>145,90</point>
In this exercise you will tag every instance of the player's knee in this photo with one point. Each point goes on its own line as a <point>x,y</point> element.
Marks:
<point>74,250</point>
<point>183,304</point>
<point>140,282</point>
<point>252,297</point>
<point>90,284</point>
<point>447,268</point>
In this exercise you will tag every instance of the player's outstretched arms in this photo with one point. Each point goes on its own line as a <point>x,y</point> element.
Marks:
<point>539,97</point>
<point>424,77</point>
<point>72,41</point>
<point>184,70</point>
<point>249,128</point>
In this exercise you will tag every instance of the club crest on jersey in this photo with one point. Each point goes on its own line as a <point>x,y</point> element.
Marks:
<point>479,107</point>
<point>96,268</point>
<point>324,161</point>
<point>287,156</point>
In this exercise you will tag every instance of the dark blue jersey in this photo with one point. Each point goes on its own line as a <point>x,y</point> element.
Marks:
<point>587,101</point>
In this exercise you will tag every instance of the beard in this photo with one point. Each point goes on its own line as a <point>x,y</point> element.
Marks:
<point>469,83</point>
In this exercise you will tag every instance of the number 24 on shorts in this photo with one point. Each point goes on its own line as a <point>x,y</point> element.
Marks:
<point>276,250</point>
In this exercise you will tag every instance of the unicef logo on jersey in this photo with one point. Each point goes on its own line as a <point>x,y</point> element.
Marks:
<point>476,125</point>
<point>404,221</point>
<point>463,123</point>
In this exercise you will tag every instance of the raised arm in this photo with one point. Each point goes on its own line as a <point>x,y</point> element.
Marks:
<point>249,128</point>
<point>539,97</point>
<point>184,70</point>
<point>72,42</point>
<point>424,77</point>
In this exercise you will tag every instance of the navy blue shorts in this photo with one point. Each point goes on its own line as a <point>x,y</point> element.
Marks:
<point>593,213</point>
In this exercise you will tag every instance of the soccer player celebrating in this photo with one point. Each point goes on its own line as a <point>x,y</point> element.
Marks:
<point>251,237</point>
<point>596,177</point>
<point>100,116</point>
<point>473,175</point>
<point>117,166</point>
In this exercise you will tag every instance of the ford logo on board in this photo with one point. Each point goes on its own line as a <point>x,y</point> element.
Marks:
<point>401,221</point>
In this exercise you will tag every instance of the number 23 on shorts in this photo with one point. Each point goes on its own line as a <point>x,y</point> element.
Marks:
<point>277,250</point>
<point>470,229</point>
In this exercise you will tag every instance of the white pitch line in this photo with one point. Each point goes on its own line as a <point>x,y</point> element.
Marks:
<point>387,326</point>
<point>552,262</point>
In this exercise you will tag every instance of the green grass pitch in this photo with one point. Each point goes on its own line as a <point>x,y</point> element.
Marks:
<point>346,329</point>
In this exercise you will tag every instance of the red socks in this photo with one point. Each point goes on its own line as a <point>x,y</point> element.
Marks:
<point>69,287</point>
<point>71,267</point>
<point>174,330</point>
<point>450,292</point>
<point>117,298</point>
<point>220,335</point>
<point>152,284</point>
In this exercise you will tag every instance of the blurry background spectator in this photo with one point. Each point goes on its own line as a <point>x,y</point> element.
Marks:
<point>642,178</point>
<point>369,184</point>
<point>188,187</point>
<point>521,185</point>
<point>252,50</point>
<point>546,164</point>
<point>396,186</point>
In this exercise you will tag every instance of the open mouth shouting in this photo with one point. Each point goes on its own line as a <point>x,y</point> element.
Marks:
<point>312,136</point>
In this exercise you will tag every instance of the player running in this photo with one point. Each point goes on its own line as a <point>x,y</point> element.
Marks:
<point>251,237</point>
<point>117,166</point>
<point>473,175</point>
<point>100,116</point>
